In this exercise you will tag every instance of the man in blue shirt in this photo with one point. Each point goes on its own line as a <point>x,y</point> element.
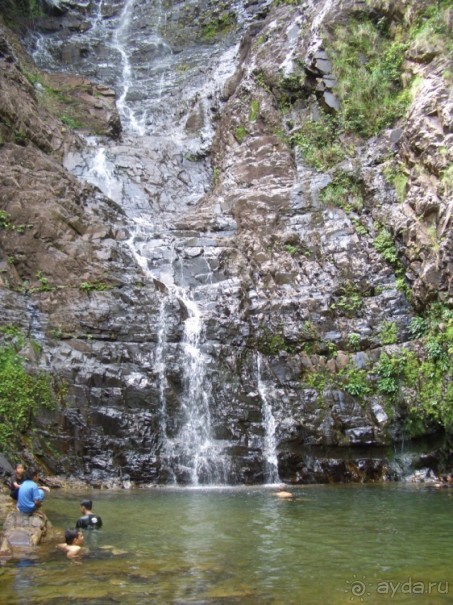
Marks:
<point>30,495</point>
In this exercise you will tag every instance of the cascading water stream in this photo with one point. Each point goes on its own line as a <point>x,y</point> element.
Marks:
<point>120,44</point>
<point>35,329</point>
<point>270,442</point>
<point>199,453</point>
<point>125,49</point>
<point>99,16</point>
<point>195,435</point>
<point>100,172</point>
<point>192,454</point>
<point>166,453</point>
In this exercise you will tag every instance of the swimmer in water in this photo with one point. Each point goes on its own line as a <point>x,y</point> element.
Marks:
<point>89,520</point>
<point>283,493</point>
<point>73,543</point>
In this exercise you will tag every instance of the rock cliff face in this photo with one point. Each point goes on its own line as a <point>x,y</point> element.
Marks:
<point>219,304</point>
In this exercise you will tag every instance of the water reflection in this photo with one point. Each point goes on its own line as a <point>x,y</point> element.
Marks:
<point>243,546</point>
<point>23,580</point>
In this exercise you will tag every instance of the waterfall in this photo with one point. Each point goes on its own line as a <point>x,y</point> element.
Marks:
<point>121,45</point>
<point>99,17</point>
<point>35,330</point>
<point>93,164</point>
<point>165,453</point>
<point>193,454</point>
<point>148,174</point>
<point>195,437</point>
<point>101,173</point>
<point>270,442</point>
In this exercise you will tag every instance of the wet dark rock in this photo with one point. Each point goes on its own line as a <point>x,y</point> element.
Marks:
<point>316,468</point>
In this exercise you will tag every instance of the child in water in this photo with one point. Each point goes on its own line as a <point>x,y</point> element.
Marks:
<point>74,542</point>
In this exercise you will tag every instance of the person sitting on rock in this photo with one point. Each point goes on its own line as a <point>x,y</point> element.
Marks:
<point>30,496</point>
<point>17,478</point>
<point>88,520</point>
<point>73,543</point>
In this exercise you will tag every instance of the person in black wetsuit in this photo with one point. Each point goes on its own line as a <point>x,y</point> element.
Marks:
<point>88,520</point>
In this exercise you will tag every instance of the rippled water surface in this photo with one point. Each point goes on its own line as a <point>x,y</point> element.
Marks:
<point>328,544</point>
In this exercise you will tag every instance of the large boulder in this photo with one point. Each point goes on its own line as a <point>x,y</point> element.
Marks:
<point>21,533</point>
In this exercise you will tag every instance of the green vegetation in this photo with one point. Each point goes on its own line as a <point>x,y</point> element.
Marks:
<point>272,343</point>
<point>254,110</point>
<point>433,376</point>
<point>44,285</point>
<point>288,2</point>
<point>260,79</point>
<point>431,28</point>
<point>260,40</point>
<point>317,380</point>
<point>446,180</point>
<point>434,240</point>
<point>368,63</point>
<point>22,394</point>
<point>71,122</point>
<point>292,249</point>
<point>349,301</point>
<point>360,229</point>
<point>354,341</point>
<point>32,75</point>
<point>418,327</point>
<point>5,220</point>
<point>397,177</point>
<point>62,100</point>
<point>331,349</point>
<point>384,244</point>
<point>215,175</point>
<point>7,223</point>
<point>390,372</point>
<point>88,287</point>
<point>289,89</point>
<point>318,142</point>
<point>218,25</point>
<point>22,8</point>
<point>417,384</point>
<point>367,56</point>
<point>20,137</point>
<point>400,184</point>
<point>240,133</point>
<point>388,333</point>
<point>344,191</point>
<point>354,381</point>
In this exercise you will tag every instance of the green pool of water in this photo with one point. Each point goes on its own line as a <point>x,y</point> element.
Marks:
<point>327,545</point>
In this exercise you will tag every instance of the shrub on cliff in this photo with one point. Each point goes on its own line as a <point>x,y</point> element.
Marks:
<point>27,8</point>
<point>22,393</point>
